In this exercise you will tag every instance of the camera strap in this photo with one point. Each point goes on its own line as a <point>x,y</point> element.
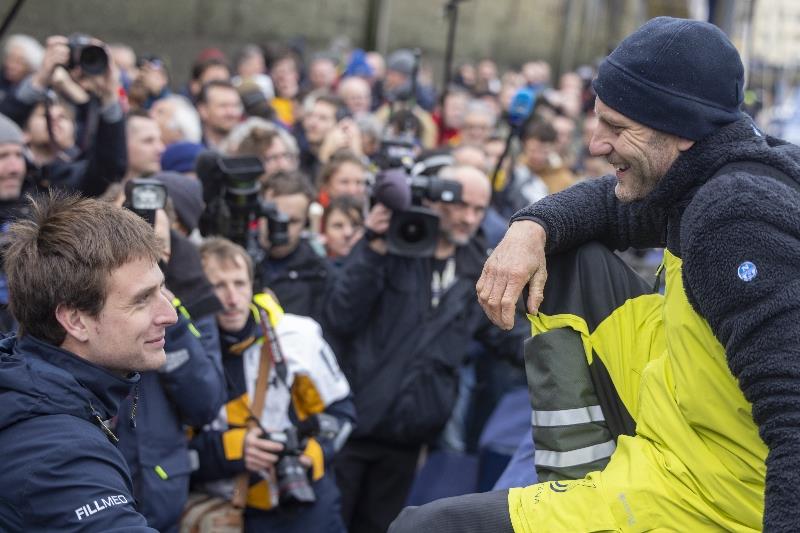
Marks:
<point>242,481</point>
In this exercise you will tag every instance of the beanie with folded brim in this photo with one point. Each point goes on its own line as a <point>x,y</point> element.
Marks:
<point>676,76</point>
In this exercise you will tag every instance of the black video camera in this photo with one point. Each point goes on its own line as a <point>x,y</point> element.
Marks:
<point>84,52</point>
<point>414,228</point>
<point>231,194</point>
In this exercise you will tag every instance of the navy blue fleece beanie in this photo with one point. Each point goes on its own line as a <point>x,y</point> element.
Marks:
<point>674,75</point>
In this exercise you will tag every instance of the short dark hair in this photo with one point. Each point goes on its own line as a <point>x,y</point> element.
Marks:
<point>202,97</point>
<point>199,68</point>
<point>352,207</point>
<point>340,109</point>
<point>223,250</point>
<point>540,130</point>
<point>284,183</point>
<point>64,253</point>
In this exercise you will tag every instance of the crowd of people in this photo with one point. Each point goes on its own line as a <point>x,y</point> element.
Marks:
<point>383,353</point>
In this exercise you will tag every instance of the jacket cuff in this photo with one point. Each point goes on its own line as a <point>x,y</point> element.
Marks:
<point>233,443</point>
<point>28,94</point>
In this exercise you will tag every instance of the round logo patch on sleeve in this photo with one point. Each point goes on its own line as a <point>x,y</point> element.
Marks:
<point>747,271</point>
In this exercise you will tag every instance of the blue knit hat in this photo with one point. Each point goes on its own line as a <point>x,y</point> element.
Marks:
<point>181,156</point>
<point>676,76</point>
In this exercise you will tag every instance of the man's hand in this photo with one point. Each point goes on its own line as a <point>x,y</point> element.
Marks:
<point>517,260</point>
<point>56,53</point>
<point>260,454</point>
<point>378,221</point>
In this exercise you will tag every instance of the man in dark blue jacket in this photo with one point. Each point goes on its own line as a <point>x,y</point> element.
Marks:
<point>87,292</point>
<point>407,323</point>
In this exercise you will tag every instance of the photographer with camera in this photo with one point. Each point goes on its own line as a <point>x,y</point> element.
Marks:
<point>408,320</point>
<point>78,68</point>
<point>306,414</point>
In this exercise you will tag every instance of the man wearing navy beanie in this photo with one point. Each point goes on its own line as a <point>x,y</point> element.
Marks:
<point>699,388</point>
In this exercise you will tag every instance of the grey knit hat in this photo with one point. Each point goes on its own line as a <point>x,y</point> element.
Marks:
<point>9,131</point>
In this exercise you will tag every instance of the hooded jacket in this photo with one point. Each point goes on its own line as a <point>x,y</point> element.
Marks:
<point>737,232</point>
<point>61,471</point>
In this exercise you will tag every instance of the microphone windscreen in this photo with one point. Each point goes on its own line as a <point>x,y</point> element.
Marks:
<point>521,106</point>
<point>392,190</point>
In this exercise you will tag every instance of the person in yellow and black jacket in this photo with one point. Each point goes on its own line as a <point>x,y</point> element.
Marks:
<point>306,390</point>
<point>708,371</point>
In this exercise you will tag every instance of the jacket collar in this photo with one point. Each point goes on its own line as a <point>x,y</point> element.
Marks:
<point>102,390</point>
<point>738,141</point>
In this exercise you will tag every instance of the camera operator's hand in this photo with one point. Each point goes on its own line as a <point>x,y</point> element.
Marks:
<point>105,86</point>
<point>56,53</point>
<point>259,453</point>
<point>377,224</point>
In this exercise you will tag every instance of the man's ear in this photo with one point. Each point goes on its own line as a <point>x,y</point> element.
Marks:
<point>73,322</point>
<point>684,144</point>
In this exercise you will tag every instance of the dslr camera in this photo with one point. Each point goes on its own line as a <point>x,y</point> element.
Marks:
<point>293,483</point>
<point>84,52</point>
<point>233,205</point>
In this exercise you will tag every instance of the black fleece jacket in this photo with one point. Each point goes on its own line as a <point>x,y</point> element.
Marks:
<point>715,225</point>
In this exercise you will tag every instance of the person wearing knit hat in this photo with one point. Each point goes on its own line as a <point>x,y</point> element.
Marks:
<point>181,157</point>
<point>679,411</point>
<point>186,194</point>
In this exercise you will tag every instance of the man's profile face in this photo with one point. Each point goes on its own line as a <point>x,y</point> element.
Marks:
<point>128,334</point>
<point>222,109</point>
<point>144,146</point>
<point>460,221</point>
<point>640,155</point>
<point>234,288</point>
<point>12,171</point>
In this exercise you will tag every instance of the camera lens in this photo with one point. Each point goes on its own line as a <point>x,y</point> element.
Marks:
<point>413,232</point>
<point>94,60</point>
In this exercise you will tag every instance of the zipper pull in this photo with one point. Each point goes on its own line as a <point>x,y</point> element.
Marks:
<point>133,407</point>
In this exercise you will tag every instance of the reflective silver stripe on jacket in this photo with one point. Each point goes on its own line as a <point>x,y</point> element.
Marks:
<point>567,417</point>
<point>574,457</point>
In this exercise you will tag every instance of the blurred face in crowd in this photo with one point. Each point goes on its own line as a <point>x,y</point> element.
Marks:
<point>234,288</point>
<point>222,110</point>
<point>377,64</point>
<point>12,171</point>
<point>356,94</point>
<point>128,334</point>
<point>251,65</point>
<point>285,77</point>
<point>641,156</point>
<point>537,153</point>
<point>350,179</point>
<point>322,74</point>
<point>278,157</point>
<point>565,131</point>
<point>319,121</point>
<point>63,127</point>
<point>342,230</point>
<point>125,59</point>
<point>460,221</point>
<point>162,112</point>
<point>144,146</point>
<point>294,206</point>
<point>476,128</point>
<point>487,70</point>
<point>470,155</point>
<point>455,105</point>
<point>15,64</point>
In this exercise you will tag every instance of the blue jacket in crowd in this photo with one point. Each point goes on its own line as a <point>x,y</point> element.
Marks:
<point>61,471</point>
<point>188,390</point>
